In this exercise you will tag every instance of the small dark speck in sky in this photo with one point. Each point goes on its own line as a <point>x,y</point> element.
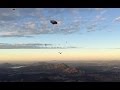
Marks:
<point>13,9</point>
<point>60,52</point>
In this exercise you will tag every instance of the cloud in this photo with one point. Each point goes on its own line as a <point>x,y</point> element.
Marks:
<point>32,46</point>
<point>99,9</point>
<point>117,19</point>
<point>30,25</point>
<point>14,36</point>
<point>97,22</point>
<point>36,21</point>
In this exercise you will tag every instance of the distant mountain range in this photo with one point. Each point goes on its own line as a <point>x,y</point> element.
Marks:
<point>60,72</point>
<point>42,66</point>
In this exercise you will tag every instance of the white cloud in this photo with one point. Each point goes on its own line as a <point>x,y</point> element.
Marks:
<point>97,22</point>
<point>34,21</point>
<point>117,19</point>
<point>30,25</point>
<point>99,9</point>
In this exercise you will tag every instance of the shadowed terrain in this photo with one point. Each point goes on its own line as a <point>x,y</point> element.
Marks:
<point>61,72</point>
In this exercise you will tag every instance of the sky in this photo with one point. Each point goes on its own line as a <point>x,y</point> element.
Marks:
<point>26,34</point>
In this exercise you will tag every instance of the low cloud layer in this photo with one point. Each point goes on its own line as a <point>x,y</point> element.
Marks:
<point>31,46</point>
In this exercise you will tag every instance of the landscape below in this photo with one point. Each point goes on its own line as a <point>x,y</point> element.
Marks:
<point>106,71</point>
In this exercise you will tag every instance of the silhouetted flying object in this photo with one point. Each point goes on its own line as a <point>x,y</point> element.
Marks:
<point>53,22</point>
<point>13,9</point>
<point>60,52</point>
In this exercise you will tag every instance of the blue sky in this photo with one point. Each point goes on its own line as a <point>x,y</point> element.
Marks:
<point>82,28</point>
<point>86,27</point>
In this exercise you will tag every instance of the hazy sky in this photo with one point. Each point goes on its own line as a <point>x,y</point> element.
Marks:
<point>81,34</point>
